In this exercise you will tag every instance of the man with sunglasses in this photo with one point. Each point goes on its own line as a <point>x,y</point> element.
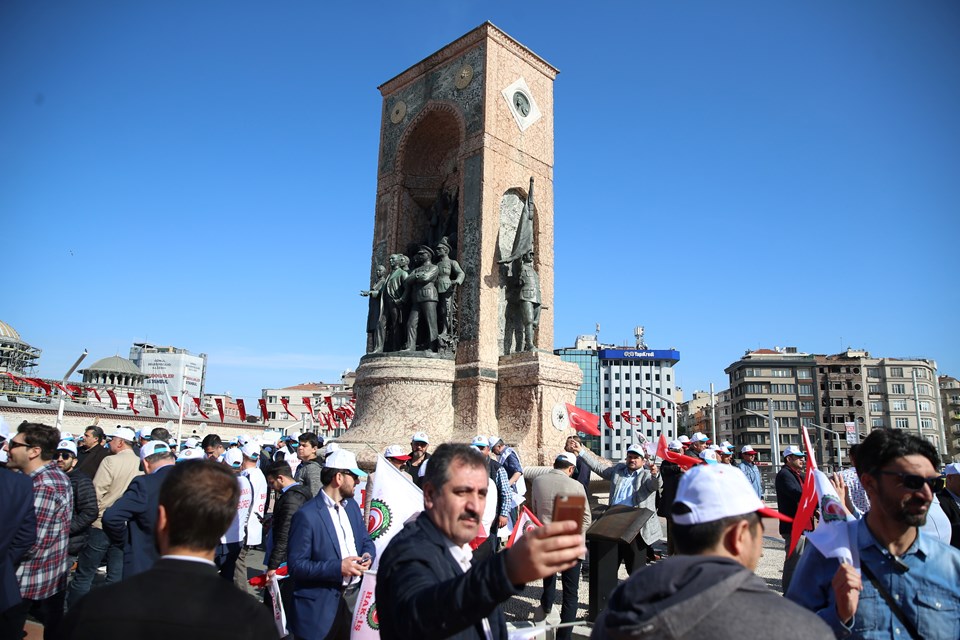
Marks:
<point>328,551</point>
<point>906,585</point>
<point>84,498</point>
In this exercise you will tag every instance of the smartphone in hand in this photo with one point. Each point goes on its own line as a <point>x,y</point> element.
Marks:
<point>569,508</point>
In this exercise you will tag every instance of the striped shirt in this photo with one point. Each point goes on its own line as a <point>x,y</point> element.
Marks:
<point>44,571</point>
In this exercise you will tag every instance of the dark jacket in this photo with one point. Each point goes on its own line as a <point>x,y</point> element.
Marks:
<point>582,474</point>
<point>85,510</point>
<point>670,474</point>
<point>288,504</point>
<point>952,511</point>
<point>423,593</point>
<point>789,489</point>
<point>131,519</point>
<point>89,461</point>
<point>414,469</point>
<point>18,533</point>
<point>191,593</point>
<point>308,474</point>
<point>697,597</point>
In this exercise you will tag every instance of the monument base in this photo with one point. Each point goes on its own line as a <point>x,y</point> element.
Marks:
<point>530,384</point>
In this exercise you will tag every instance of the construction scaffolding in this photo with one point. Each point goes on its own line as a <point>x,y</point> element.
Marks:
<point>20,359</point>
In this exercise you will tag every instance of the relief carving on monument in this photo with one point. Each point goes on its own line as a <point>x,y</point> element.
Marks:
<point>521,300</point>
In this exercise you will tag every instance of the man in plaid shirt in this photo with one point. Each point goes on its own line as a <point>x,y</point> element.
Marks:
<point>43,573</point>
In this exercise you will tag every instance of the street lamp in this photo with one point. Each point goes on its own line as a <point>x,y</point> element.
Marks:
<point>774,434</point>
<point>63,398</point>
<point>836,433</point>
<point>669,402</point>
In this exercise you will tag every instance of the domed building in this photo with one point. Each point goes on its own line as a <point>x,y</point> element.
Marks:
<point>16,357</point>
<point>113,372</point>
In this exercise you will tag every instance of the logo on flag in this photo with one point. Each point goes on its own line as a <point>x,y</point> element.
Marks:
<point>380,518</point>
<point>373,621</point>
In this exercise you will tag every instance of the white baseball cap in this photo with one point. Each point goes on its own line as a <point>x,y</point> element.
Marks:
<point>191,443</point>
<point>66,435</point>
<point>747,449</point>
<point>233,457</point>
<point>712,493</point>
<point>420,436</point>
<point>330,448</point>
<point>683,439</point>
<point>637,449</point>
<point>493,440</point>
<point>676,445</point>
<point>190,453</point>
<point>152,447</point>
<point>699,437</point>
<point>343,459</point>
<point>68,445</point>
<point>480,441</point>
<point>251,450</point>
<point>794,451</point>
<point>124,433</point>
<point>397,452</point>
<point>569,457</point>
<point>726,449</point>
<point>709,456</point>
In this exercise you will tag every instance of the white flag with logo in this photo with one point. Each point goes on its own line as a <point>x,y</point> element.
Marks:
<point>366,624</point>
<point>393,502</point>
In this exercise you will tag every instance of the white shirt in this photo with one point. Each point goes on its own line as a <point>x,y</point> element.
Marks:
<point>257,506</point>
<point>464,557</point>
<point>236,531</point>
<point>341,524</point>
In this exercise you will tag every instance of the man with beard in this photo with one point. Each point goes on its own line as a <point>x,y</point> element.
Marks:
<point>328,551</point>
<point>907,581</point>
<point>418,455</point>
<point>85,509</point>
<point>91,451</point>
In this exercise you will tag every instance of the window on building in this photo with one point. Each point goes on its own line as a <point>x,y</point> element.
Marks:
<point>781,373</point>
<point>616,376</point>
<point>923,389</point>
<point>806,405</point>
<point>606,404</point>
<point>646,376</point>
<point>616,389</point>
<point>272,415</point>
<point>805,389</point>
<point>626,404</point>
<point>752,373</point>
<point>668,377</point>
<point>876,423</point>
<point>873,387</point>
<point>783,389</point>
<point>901,423</point>
<point>606,376</point>
<point>616,403</point>
<point>626,376</point>
<point>656,377</point>
<point>924,405</point>
<point>804,374</point>
<point>920,373</point>
<point>898,405</point>
<point>898,388</point>
<point>876,406</point>
<point>896,372</point>
<point>272,399</point>
<point>606,389</point>
<point>926,423</point>
<point>838,402</point>
<point>636,391</point>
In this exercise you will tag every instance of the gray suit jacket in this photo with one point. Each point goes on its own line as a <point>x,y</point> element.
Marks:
<point>645,487</point>
<point>544,491</point>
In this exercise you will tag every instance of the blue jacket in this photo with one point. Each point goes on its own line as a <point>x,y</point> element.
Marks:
<point>18,534</point>
<point>313,561</point>
<point>753,475</point>
<point>131,519</point>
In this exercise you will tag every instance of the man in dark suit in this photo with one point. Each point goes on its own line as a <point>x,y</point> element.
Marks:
<point>16,539</point>
<point>131,519</point>
<point>426,584</point>
<point>198,501</point>
<point>328,551</point>
<point>291,496</point>
<point>949,498</point>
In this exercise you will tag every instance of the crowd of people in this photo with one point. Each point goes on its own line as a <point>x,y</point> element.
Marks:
<point>177,523</point>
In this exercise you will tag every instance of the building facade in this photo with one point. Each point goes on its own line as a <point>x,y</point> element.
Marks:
<point>170,371</point>
<point>585,354</point>
<point>282,402</point>
<point>950,410</point>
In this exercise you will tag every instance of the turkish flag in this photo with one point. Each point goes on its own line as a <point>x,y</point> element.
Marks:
<point>306,402</point>
<point>62,388</point>
<point>156,404</point>
<point>286,408</point>
<point>219,402</point>
<point>626,417</point>
<point>685,462</point>
<point>803,520</point>
<point>40,384</point>
<point>196,401</point>
<point>646,414</point>
<point>606,419</point>
<point>176,401</point>
<point>96,395</point>
<point>130,397</point>
<point>16,379</point>
<point>583,421</point>
<point>329,401</point>
<point>263,409</point>
<point>663,412</point>
<point>242,409</point>
<point>113,397</point>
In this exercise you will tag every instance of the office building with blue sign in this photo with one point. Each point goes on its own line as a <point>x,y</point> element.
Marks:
<point>633,389</point>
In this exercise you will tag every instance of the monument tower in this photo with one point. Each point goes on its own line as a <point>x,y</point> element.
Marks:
<point>461,340</point>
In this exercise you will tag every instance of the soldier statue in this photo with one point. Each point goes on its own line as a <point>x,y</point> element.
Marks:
<point>449,278</point>
<point>420,292</point>
<point>393,303</point>
<point>376,318</point>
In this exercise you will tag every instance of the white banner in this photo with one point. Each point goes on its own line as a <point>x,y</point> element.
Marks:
<point>394,501</point>
<point>366,624</point>
<point>279,615</point>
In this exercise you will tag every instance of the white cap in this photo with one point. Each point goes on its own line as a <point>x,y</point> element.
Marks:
<point>726,443</point>
<point>66,435</point>
<point>952,469</point>
<point>713,447</point>
<point>420,436</point>
<point>152,447</point>
<point>191,443</point>
<point>480,441</point>
<point>683,439</point>
<point>343,459</point>
<point>124,433</point>
<point>699,437</point>
<point>637,449</point>
<point>396,452</point>
<point>190,453</point>
<point>251,450</point>
<point>710,456</point>
<point>569,457</point>
<point>794,451</point>
<point>330,448</point>
<point>747,449</point>
<point>233,457</point>
<point>676,445</point>
<point>712,493</point>
<point>68,445</point>
<point>493,440</point>
<point>726,449</point>
<point>172,442</point>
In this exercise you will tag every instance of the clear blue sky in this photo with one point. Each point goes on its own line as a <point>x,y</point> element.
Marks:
<point>728,174</point>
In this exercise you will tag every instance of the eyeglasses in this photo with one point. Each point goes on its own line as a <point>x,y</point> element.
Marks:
<point>13,444</point>
<point>64,455</point>
<point>913,482</point>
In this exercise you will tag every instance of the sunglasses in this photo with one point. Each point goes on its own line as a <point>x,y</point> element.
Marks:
<point>13,444</point>
<point>913,482</point>
<point>65,455</point>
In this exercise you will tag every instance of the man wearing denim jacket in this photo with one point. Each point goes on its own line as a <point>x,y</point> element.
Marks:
<point>920,573</point>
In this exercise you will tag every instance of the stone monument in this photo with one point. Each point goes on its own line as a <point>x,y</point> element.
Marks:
<point>465,135</point>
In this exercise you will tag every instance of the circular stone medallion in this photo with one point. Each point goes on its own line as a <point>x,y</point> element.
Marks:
<point>398,112</point>
<point>464,76</point>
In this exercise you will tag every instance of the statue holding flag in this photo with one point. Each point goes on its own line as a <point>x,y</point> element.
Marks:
<point>523,285</point>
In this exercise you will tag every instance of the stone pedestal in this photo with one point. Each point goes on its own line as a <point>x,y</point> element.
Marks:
<point>530,384</point>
